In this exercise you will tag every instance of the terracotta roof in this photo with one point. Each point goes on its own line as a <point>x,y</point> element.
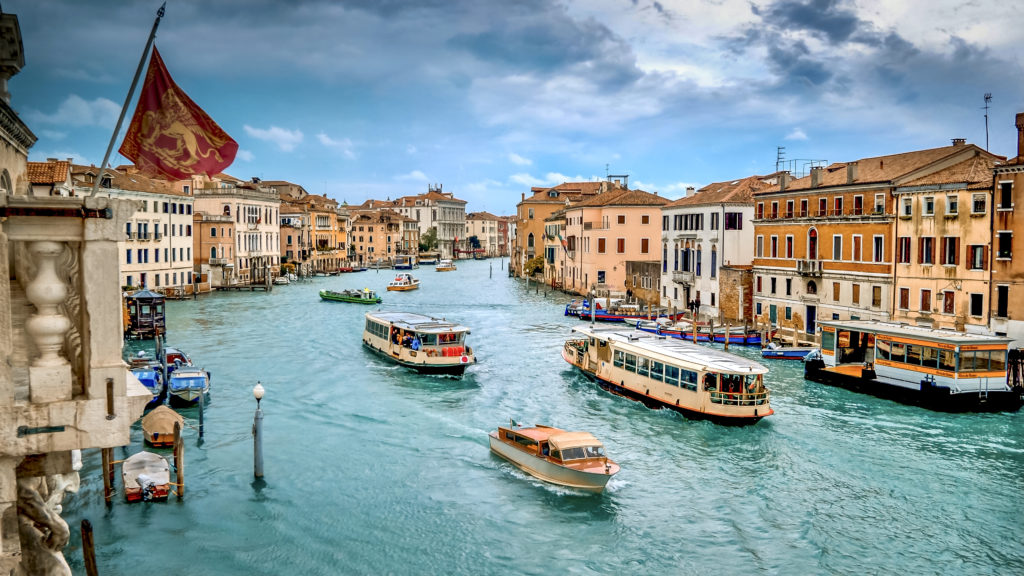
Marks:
<point>481,216</point>
<point>571,191</point>
<point>735,191</point>
<point>289,208</point>
<point>623,197</point>
<point>120,180</point>
<point>975,170</point>
<point>49,172</point>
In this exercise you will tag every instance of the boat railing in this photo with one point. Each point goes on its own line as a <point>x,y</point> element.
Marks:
<point>447,350</point>
<point>740,398</point>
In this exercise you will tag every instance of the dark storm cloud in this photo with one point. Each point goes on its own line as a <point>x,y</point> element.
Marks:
<point>795,62</point>
<point>823,18</point>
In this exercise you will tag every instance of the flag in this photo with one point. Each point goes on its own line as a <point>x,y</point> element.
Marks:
<point>565,245</point>
<point>170,136</point>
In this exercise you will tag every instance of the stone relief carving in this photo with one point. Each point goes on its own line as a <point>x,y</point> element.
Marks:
<point>43,532</point>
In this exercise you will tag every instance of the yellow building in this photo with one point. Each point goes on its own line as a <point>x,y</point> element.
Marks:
<point>378,236</point>
<point>528,242</point>
<point>1007,279</point>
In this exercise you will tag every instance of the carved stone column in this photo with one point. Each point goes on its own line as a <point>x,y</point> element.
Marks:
<point>50,372</point>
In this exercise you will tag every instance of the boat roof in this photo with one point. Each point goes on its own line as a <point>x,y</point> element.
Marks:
<point>417,322</point>
<point>920,332</point>
<point>189,372</point>
<point>675,350</point>
<point>564,440</point>
<point>161,419</point>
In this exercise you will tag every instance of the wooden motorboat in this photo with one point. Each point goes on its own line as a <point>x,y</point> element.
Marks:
<point>187,385</point>
<point>151,378</point>
<point>404,282</point>
<point>364,296</point>
<point>445,265</point>
<point>777,352</point>
<point>158,426</point>
<point>571,459</point>
<point>146,477</point>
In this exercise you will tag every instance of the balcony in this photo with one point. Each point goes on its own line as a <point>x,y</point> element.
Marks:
<point>809,267</point>
<point>144,236</point>
<point>218,261</point>
<point>680,277</point>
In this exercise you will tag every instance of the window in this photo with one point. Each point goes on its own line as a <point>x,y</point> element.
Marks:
<point>952,205</point>
<point>789,247</point>
<point>929,205</point>
<point>773,284</point>
<point>926,300</point>
<point>644,245</point>
<point>166,208</point>
<point>733,220</point>
<point>714,264</point>
<point>904,298</point>
<point>789,208</point>
<point>760,246</point>
<point>855,293</point>
<point>789,288</point>
<point>714,220</point>
<point>977,257</point>
<point>621,219</point>
<point>926,250</point>
<point>621,245</point>
<point>803,208</point>
<point>775,246</point>
<point>876,296</point>
<point>856,248</point>
<point>878,252</point>
<point>837,247</point>
<point>760,210</point>
<point>835,291</point>
<point>789,313</point>
<point>858,205</point>
<point>908,207</point>
<point>947,302</point>
<point>1005,195</point>
<point>128,253</point>
<point>213,232</point>
<point>645,219</point>
<point>699,260</point>
<point>531,214</point>
<point>758,309</point>
<point>903,250</point>
<point>1002,300</point>
<point>664,222</point>
<point>879,204</point>
<point>822,206</point>
<point>950,250</point>
<point>600,245</point>
<point>978,204</point>
<point>1005,244</point>
<point>838,206</point>
<point>759,287</point>
<point>977,301</point>
<point>775,209</point>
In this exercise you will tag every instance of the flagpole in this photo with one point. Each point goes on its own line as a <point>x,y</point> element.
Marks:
<point>128,99</point>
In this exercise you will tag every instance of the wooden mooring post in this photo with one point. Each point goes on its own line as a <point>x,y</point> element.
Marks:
<point>179,461</point>
<point>107,457</point>
<point>88,549</point>
<point>728,328</point>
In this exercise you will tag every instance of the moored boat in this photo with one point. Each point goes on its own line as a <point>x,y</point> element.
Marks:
<point>571,459</point>
<point>282,280</point>
<point>151,378</point>
<point>405,263</point>
<point>683,329</point>
<point>404,282</point>
<point>158,426</point>
<point>695,380</point>
<point>445,265</point>
<point>146,477</point>
<point>777,352</point>
<point>424,343</point>
<point>364,296</point>
<point>938,369</point>
<point>187,384</point>
<point>617,310</point>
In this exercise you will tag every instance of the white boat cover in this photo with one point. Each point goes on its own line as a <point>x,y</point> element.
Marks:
<point>573,440</point>
<point>152,467</point>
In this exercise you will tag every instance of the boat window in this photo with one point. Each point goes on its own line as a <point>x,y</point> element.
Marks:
<point>913,355</point>
<point>688,379</point>
<point>631,362</point>
<point>930,357</point>
<point>573,453</point>
<point>643,366</point>
<point>828,340</point>
<point>429,339</point>
<point>998,361</point>
<point>947,360</point>
<point>974,361</point>
<point>657,370</point>
<point>671,375</point>
<point>619,358</point>
<point>556,454</point>
<point>898,351</point>
<point>594,451</point>
<point>523,440</point>
<point>882,349</point>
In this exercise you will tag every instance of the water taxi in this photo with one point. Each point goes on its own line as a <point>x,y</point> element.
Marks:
<point>939,369</point>
<point>571,459</point>
<point>445,265</point>
<point>404,282</point>
<point>697,381</point>
<point>424,343</point>
<point>364,296</point>
<point>187,385</point>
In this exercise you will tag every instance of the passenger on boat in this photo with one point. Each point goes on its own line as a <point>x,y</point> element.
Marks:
<point>415,345</point>
<point>407,341</point>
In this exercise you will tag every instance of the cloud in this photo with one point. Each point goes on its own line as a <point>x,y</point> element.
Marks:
<point>43,155</point>
<point>415,176</point>
<point>796,134</point>
<point>53,134</point>
<point>77,111</point>
<point>244,155</point>
<point>549,179</point>
<point>283,138</point>
<point>344,145</point>
<point>519,160</point>
<point>410,149</point>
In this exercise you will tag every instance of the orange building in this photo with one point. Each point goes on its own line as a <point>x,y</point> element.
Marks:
<point>528,241</point>
<point>1006,299</point>
<point>378,235</point>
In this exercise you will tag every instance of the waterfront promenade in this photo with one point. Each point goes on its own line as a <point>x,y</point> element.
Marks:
<point>373,469</point>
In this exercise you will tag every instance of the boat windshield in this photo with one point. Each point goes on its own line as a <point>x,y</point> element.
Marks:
<point>188,383</point>
<point>582,452</point>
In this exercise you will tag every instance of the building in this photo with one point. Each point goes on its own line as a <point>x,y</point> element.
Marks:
<point>527,227</point>
<point>484,227</point>
<point>702,232</point>
<point>436,209</point>
<point>295,237</point>
<point>556,252</point>
<point>156,247</point>
<point>51,178</point>
<point>643,281</point>
<point>378,236</point>
<point>505,224</point>
<point>604,232</point>
<point>1006,290</point>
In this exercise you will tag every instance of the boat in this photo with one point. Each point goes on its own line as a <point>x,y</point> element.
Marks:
<point>281,280</point>
<point>661,372</point>
<point>683,329</point>
<point>158,426</point>
<point>617,310</point>
<point>345,269</point>
<point>570,459</point>
<point>405,263</point>
<point>404,282</point>
<point>777,352</point>
<point>424,343</point>
<point>364,296</point>
<point>146,477</point>
<point>427,258</point>
<point>151,378</point>
<point>938,369</point>
<point>187,384</point>
<point>445,265</point>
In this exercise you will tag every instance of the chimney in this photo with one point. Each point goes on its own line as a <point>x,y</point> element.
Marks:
<point>851,172</point>
<point>815,176</point>
<point>783,180</point>
<point>523,196</point>
<point>1020,136</point>
<point>959,141</point>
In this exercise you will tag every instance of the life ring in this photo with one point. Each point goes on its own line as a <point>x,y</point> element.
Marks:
<point>464,359</point>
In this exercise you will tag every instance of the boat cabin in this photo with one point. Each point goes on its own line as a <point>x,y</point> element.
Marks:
<point>145,314</point>
<point>562,447</point>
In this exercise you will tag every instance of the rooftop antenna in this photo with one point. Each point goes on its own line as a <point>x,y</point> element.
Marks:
<point>606,171</point>
<point>988,100</point>
<point>780,157</point>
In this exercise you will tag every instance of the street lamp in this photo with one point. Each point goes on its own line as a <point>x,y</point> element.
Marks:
<point>257,432</point>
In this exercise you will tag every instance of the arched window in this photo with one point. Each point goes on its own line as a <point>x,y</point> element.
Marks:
<point>529,240</point>
<point>812,288</point>
<point>812,244</point>
<point>5,182</point>
<point>227,210</point>
<point>213,251</point>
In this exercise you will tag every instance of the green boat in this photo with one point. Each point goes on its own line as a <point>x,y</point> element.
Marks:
<point>364,296</point>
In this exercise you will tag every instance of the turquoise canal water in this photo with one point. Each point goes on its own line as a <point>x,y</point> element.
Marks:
<point>373,469</point>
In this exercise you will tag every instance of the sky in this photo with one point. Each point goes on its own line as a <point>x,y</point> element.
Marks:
<point>382,98</point>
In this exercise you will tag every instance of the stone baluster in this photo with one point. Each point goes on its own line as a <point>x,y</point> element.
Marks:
<point>50,372</point>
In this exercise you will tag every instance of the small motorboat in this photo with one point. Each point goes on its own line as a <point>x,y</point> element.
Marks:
<point>777,352</point>
<point>146,477</point>
<point>404,282</point>
<point>158,426</point>
<point>151,378</point>
<point>445,265</point>
<point>570,459</point>
<point>364,296</point>
<point>187,385</point>
<point>281,280</point>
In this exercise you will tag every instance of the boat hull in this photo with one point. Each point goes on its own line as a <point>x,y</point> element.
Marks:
<point>403,288</point>
<point>785,354</point>
<point>451,369</point>
<point>188,397</point>
<point>547,471</point>
<point>351,300</point>
<point>938,398</point>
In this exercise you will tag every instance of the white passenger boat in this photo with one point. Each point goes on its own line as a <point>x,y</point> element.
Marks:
<point>666,372</point>
<point>572,459</point>
<point>939,369</point>
<point>444,266</point>
<point>424,343</point>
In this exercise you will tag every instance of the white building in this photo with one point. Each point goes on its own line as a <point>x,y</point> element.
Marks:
<point>484,226</point>
<point>435,209</point>
<point>702,232</point>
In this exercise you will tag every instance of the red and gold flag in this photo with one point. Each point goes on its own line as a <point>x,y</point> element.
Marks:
<point>170,136</point>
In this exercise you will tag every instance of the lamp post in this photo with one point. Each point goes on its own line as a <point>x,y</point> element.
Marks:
<point>257,433</point>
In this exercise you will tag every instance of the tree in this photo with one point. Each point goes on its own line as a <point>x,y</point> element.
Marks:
<point>428,240</point>
<point>534,265</point>
<point>474,242</point>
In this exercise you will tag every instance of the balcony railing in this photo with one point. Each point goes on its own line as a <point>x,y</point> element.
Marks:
<point>681,277</point>
<point>809,267</point>
<point>218,261</point>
